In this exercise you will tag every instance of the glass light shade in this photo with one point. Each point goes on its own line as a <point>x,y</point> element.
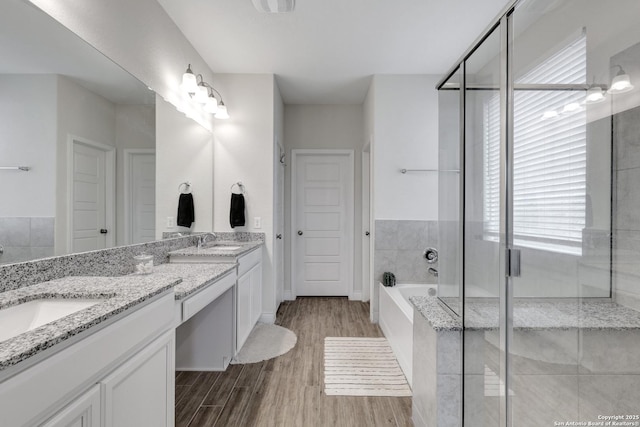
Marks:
<point>571,107</point>
<point>211,106</point>
<point>222,112</point>
<point>201,95</point>
<point>189,82</point>
<point>594,95</point>
<point>620,84</point>
<point>549,114</point>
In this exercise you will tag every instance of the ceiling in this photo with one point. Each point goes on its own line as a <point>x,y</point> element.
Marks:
<point>326,50</point>
<point>31,42</point>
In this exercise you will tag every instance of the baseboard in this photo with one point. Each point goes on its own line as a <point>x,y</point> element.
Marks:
<point>356,296</point>
<point>269,318</point>
<point>288,296</point>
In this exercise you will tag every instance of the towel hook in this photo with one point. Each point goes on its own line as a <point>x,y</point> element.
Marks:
<point>240,186</point>
<point>187,186</point>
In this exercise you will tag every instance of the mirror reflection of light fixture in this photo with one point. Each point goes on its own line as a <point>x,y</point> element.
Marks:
<point>203,93</point>
<point>571,107</point>
<point>549,114</point>
<point>621,83</point>
<point>595,95</point>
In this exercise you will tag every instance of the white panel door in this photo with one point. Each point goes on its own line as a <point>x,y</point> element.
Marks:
<point>88,198</point>
<point>142,198</point>
<point>82,412</point>
<point>322,249</point>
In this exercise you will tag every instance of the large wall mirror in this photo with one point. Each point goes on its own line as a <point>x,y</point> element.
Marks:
<point>77,143</point>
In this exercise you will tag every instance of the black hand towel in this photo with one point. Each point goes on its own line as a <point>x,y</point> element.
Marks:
<point>236,215</point>
<point>186,214</point>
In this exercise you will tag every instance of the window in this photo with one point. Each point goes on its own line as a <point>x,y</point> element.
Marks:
<point>549,156</point>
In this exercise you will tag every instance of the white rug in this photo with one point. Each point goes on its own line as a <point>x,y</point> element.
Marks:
<point>265,342</point>
<point>362,367</point>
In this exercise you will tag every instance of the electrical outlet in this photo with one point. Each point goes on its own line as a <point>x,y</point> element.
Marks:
<point>257,222</point>
<point>171,222</point>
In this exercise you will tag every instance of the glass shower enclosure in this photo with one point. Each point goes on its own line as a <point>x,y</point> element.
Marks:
<point>539,213</point>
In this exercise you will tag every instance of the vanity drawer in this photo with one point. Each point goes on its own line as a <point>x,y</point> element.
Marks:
<point>248,261</point>
<point>200,300</point>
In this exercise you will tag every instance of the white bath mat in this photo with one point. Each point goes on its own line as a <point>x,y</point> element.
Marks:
<point>265,342</point>
<point>362,367</point>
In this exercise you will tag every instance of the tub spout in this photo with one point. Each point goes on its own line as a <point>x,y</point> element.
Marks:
<point>433,271</point>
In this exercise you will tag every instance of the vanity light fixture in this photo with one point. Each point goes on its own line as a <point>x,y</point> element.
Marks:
<point>595,95</point>
<point>621,83</point>
<point>203,93</point>
<point>189,81</point>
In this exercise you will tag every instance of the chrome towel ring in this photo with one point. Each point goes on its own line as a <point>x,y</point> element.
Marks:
<point>240,186</point>
<point>186,189</point>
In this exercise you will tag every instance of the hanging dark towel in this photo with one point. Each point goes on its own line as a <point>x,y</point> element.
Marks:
<point>186,214</point>
<point>236,215</point>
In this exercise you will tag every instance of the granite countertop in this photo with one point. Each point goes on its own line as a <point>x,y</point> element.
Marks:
<point>194,276</point>
<point>118,293</point>
<point>439,319</point>
<point>217,249</point>
<point>533,315</point>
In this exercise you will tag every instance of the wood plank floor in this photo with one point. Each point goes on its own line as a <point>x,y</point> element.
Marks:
<point>289,390</point>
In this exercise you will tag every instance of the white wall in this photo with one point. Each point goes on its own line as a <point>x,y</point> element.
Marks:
<point>184,152</point>
<point>135,128</point>
<point>28,138</point>
<point>278,194</point>
<point>405,122</point>
<point>243,151</point>
<point>83,114</point>
<point>326,127</point>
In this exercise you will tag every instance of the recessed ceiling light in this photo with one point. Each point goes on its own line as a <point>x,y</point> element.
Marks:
<point>274,6</point>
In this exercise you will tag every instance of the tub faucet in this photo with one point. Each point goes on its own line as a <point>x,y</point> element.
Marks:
<point>433,271</point>
<point>202,239</point>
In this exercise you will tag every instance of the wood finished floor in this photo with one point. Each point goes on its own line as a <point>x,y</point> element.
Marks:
<point>289,390</point>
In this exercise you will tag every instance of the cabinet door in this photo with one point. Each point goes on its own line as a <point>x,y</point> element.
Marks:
<point>256,293</point>
<point>243,317</point>
<point>82,412</point>
<point>141,392</point>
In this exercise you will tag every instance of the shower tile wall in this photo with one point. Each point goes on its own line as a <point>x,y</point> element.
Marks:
<point>25,238</point>
<point>399,248</point>
<point>626,224</point>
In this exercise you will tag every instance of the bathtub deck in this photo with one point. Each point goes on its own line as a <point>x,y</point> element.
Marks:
<point>288,390</point>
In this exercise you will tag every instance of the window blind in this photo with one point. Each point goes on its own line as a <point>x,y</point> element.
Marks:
<point>549,156</point>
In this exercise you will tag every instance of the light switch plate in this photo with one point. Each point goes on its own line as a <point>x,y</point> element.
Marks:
<point>171,222</point>
<point>257,222</point>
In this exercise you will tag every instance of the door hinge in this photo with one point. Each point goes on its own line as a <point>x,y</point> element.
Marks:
<point>513,262</point>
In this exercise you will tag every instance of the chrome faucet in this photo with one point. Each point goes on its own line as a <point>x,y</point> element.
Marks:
<point>203,238</point>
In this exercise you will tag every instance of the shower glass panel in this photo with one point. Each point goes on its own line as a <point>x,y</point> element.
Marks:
<point>483,353</point>
<point>568,359</point>
<point>449,265</point>
<point>548,223</point>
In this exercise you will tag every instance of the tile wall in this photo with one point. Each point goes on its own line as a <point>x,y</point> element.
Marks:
<point>26,238</point>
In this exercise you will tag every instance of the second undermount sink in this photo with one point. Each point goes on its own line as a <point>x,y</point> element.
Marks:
<point>24,317</point>
<point>224,246</point>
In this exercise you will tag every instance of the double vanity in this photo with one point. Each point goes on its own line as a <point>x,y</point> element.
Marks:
<point>84,349</point>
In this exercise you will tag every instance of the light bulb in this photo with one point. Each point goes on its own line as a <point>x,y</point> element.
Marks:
<point>222,112</point>
<point>549,114</point>
<point>594,95</point>
<point>212,105</point>
<point>201,95</point>
<point>189,81</point>
<point>620,84</point>
<point>571,107</point>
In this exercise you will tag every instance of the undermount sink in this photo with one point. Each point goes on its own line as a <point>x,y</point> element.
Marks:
<point>24,317</point>
<point>227,247</point>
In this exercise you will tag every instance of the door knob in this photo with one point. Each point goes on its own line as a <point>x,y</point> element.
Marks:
<point>278,236</point>
<point>103,231</point>
<point>300,233</point>
<point>366,233</point>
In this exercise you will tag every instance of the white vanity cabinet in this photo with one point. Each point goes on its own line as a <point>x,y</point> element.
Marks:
<point>82,412</point>
<point>249,295</point>
<point>123,374</point>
